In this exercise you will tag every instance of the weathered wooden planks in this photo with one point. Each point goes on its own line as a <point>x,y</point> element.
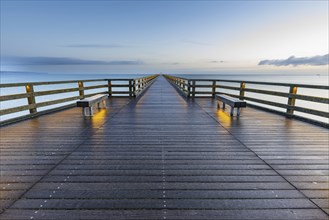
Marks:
<point>162,157</point>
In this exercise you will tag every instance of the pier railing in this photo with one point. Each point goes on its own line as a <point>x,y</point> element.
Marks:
<point>281,98</point>
<point>34,96</point>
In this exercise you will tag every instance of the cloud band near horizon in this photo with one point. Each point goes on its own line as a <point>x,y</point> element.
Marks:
<point>64,61</point>
<point>296,61</point>
<point>102,46</point>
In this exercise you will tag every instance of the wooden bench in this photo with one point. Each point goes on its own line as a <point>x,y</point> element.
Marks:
<point>88,103</point>
<point>234,103</point>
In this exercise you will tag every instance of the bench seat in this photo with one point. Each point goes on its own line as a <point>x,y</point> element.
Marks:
<point>88,103</point>
<point>233,102</point>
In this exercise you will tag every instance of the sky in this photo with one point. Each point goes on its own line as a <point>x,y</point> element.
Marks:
<point>164,36</point>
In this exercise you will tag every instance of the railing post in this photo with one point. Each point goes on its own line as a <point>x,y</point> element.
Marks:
<point>31,99</point>
<point>184,85</point>
<point>188,88</point>
<point>134,88</point>
<point>193,88</point>
<point>109,86</point>
<point>81,90</point>
<point>213,88</point>
<point>130,88</point>
<point>242,87</point>
<point>291,100</point>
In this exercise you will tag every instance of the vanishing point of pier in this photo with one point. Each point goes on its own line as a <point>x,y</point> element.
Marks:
<point>162,156</point>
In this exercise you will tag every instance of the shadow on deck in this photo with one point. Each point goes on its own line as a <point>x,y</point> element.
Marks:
<point>163,157</point>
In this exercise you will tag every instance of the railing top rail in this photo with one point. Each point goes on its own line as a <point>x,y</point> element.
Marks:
<point>5,85</point>
<point>177,77</point>
<point>144,77</point>
<point>262,83</point>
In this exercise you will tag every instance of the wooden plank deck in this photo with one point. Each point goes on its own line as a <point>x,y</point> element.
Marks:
<point>163,157</point>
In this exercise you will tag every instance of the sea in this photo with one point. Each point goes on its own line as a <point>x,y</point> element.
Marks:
<point>312,79</point>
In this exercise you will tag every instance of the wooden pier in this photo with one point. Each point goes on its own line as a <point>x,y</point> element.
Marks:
<point>162,156</point>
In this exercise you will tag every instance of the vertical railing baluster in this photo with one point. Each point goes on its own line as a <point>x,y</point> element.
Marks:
<point>31,98</point>
<point>81,90</point>
<point>242,87</point>
<point>130,88</point>
<point>109,87</point>
<point>134,88</point>
<point>213,88</point>
<point>188,88</point>
<point>193,88</point>
<point>184,86</point>
<point>291,100</point>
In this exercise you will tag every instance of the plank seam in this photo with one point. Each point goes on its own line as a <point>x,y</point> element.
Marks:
<point>237,139</point>
<point>56,165</point>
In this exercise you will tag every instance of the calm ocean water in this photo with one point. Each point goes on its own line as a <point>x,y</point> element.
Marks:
<point>317,79</point>
<point>17,77</point>
<point>314,79</point>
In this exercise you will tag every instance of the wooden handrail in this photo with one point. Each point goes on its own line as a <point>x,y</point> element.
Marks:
<point>142,83</point>
<point>210,89</point>
<point>127,87</point>
<point>261,83</point>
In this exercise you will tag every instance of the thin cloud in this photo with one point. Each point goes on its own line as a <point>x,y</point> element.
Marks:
<point>174,63</point>
<point>296,61</point>
<point>95,45</point>
<point>65,61</point>
<point>216,61</point>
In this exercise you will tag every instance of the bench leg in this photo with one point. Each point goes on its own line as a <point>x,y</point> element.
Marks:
<point>223,105</point>
<point>238,112</point>
<point>218,105</point>
<point>88,111</point>
<point>104,104</point>
<point>84,111</point>
<point>101,104</point>
<point>232,111</point>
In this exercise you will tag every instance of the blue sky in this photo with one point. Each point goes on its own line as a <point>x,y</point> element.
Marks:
<point>164,36</point>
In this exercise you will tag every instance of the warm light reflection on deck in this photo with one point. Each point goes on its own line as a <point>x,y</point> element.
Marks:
<point>99,117</point>
<point>224,117</point>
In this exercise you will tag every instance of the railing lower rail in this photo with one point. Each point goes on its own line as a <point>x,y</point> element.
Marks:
<point>247,90</point>
<point>73,90</point>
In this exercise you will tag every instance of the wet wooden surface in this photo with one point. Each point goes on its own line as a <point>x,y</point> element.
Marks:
<point>163,157</point>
